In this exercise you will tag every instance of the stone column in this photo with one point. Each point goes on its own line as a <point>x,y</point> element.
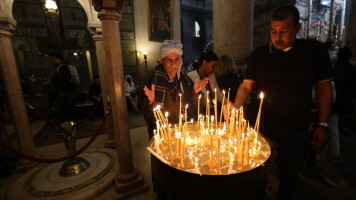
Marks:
<point>332,21</point>
<point>11,80</point>
<point>96,31</point>
<point>233,28</point>
<point>128,177</point>
<point>351,33</point>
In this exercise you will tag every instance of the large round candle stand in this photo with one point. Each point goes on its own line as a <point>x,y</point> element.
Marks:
<point>217,163</point>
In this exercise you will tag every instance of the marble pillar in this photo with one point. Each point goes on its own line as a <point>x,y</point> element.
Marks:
<point>233,28</point>
<point>128,178</point>
<point>96,32</point>
<point>11,80</point>
<point>351,33</point>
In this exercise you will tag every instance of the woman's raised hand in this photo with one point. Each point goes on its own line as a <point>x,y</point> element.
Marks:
<point>150,93</point>
<point>199,85</point>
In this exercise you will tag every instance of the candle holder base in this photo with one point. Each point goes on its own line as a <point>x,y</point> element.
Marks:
<point>74,167</point>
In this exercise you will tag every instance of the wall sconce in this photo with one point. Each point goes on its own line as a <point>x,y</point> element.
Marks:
<point>145,57</point>
<point>51,8</point>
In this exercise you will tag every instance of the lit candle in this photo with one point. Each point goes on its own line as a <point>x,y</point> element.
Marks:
<point>185,113</point>
<point>166,116</point>
<point>157,144</point>
<point>157,127</point>
<point>222,107</point>
<point>169,143</point>
<point>162,148</point>
<point>228,108</point>
<point>207,116</point>
<point>207,103</point>
<point>218,160</point>
<point>154,113</point>
<point>198,109</point>
<point>196,168</point>
<point>212,122</point>
<point>258,149</point>
<point>181,153</point>
<point>235,154</point>
<point>259,114</point>
<point>216,112</point>
<point>231,164</point>
<point>190,160</point>
<point>248,151</point>
<point>177,139</point>
<point>180,112</point>
<point>242,149</point>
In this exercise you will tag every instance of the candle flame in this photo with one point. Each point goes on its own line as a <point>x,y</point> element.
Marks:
<point>191,120</point>
<point>235,148</point>
<point>199,96</point>
<point>190,153</point>
<point>196,160</point>
<point>230,141</point>
<point>231,156</point>
<point>261,95</point>
<point>215,90</point>
<point>186,106</point>
<point>224,92</point>
<point>166,114</point>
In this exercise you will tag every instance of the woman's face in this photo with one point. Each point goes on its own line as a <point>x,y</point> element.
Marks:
<point>210,67</point>
<point>172,64</point>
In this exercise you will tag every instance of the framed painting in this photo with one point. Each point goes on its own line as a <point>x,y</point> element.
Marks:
<point>159,20</point>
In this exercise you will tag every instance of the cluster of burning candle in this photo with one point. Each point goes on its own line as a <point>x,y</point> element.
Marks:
<point>224,147</point>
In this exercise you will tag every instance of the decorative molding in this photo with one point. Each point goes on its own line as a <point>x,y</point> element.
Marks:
<point>7,25</point>
<point>108,4</point>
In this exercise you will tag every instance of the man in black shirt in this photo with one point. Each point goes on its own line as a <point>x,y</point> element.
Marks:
<point>286,71</point>
<point>63,91</point>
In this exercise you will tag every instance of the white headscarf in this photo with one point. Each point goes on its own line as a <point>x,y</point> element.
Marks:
<point>170,46</point>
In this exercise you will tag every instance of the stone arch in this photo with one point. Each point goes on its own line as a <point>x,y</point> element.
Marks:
<point>89,10</point>
<point>6,9</point>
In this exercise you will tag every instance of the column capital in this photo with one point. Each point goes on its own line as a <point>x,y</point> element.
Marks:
<point>109,15</point>
<point>108,4</point>
<point>95,29</point>
<point>7,25</point>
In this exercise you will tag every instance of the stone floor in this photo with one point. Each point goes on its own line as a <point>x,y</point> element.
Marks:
<point>343,176</point>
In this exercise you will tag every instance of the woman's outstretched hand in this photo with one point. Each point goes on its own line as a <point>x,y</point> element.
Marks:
<point>199,85</point>
<point>150,93</point>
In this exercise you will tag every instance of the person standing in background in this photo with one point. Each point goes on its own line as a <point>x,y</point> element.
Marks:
<point>226,76</point>
<point>63,91</point>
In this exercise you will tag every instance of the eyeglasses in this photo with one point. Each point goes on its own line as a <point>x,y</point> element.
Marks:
<point>176,61</point>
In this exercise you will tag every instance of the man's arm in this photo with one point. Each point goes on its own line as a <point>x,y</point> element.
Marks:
<point>243,92</point>
<point>324,94</point>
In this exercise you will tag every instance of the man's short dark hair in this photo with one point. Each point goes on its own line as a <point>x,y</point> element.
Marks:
<point>286,12</point>
<point>56,54</point>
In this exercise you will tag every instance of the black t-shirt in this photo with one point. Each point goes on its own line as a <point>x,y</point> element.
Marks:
<point>287,79</point>
<point>62,83</point>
